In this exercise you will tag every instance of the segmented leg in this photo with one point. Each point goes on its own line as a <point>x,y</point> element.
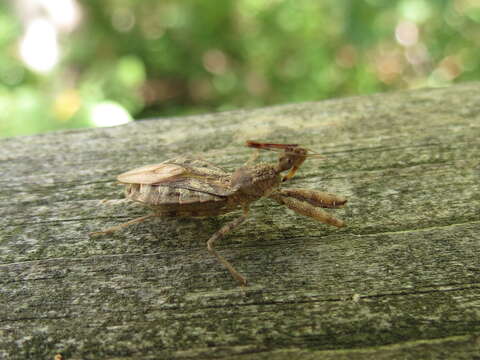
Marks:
<point>316,198</point>
<point>121,226</point>
<point>304,208</point>
<point>218,235</point>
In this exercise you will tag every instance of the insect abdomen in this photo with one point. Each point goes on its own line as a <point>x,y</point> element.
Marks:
<point>171,201</point>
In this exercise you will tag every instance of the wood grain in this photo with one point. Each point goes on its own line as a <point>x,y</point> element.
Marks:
<point>400,281</point>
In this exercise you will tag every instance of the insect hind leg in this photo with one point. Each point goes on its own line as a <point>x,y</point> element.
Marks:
<point>121,226</point>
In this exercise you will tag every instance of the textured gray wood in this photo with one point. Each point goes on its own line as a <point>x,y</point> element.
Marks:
<point>400,281</point>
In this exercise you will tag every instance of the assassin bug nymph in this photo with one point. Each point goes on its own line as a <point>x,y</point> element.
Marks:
<point>183,187</point>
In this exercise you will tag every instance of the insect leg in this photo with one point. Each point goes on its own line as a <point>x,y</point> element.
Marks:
<point>118,227</point>
<point>304,208</point>
<point>218,235</point>
<point>316,198</point>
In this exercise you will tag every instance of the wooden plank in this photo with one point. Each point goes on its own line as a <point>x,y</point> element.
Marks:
<point>400,281</point>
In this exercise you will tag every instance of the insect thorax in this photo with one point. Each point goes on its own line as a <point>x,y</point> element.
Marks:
<point>255,181</point>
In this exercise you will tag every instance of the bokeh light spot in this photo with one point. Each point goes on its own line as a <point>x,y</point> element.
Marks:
<point>39,47</point>
<point>215,61</point>
<point>66,104</point>
<point>109,113</point>
<point>415,10</point>
<point>406,33</point>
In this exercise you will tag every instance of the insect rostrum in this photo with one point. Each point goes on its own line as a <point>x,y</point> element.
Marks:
<point>184,187</point>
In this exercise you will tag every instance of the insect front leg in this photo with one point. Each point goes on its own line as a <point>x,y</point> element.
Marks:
<point>316,198</point>
<point>306,208</point>
<point>218,235</point>
<point>121,226</point>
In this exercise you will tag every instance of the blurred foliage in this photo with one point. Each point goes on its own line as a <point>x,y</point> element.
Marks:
<point>176,57</point>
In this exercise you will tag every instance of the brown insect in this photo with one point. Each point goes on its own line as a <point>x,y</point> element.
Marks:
<point>183,187</point>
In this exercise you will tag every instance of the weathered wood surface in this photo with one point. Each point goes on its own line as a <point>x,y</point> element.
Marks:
<point>401,281</point>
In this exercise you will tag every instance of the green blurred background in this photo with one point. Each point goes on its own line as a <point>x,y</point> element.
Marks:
<point>82,63</point>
